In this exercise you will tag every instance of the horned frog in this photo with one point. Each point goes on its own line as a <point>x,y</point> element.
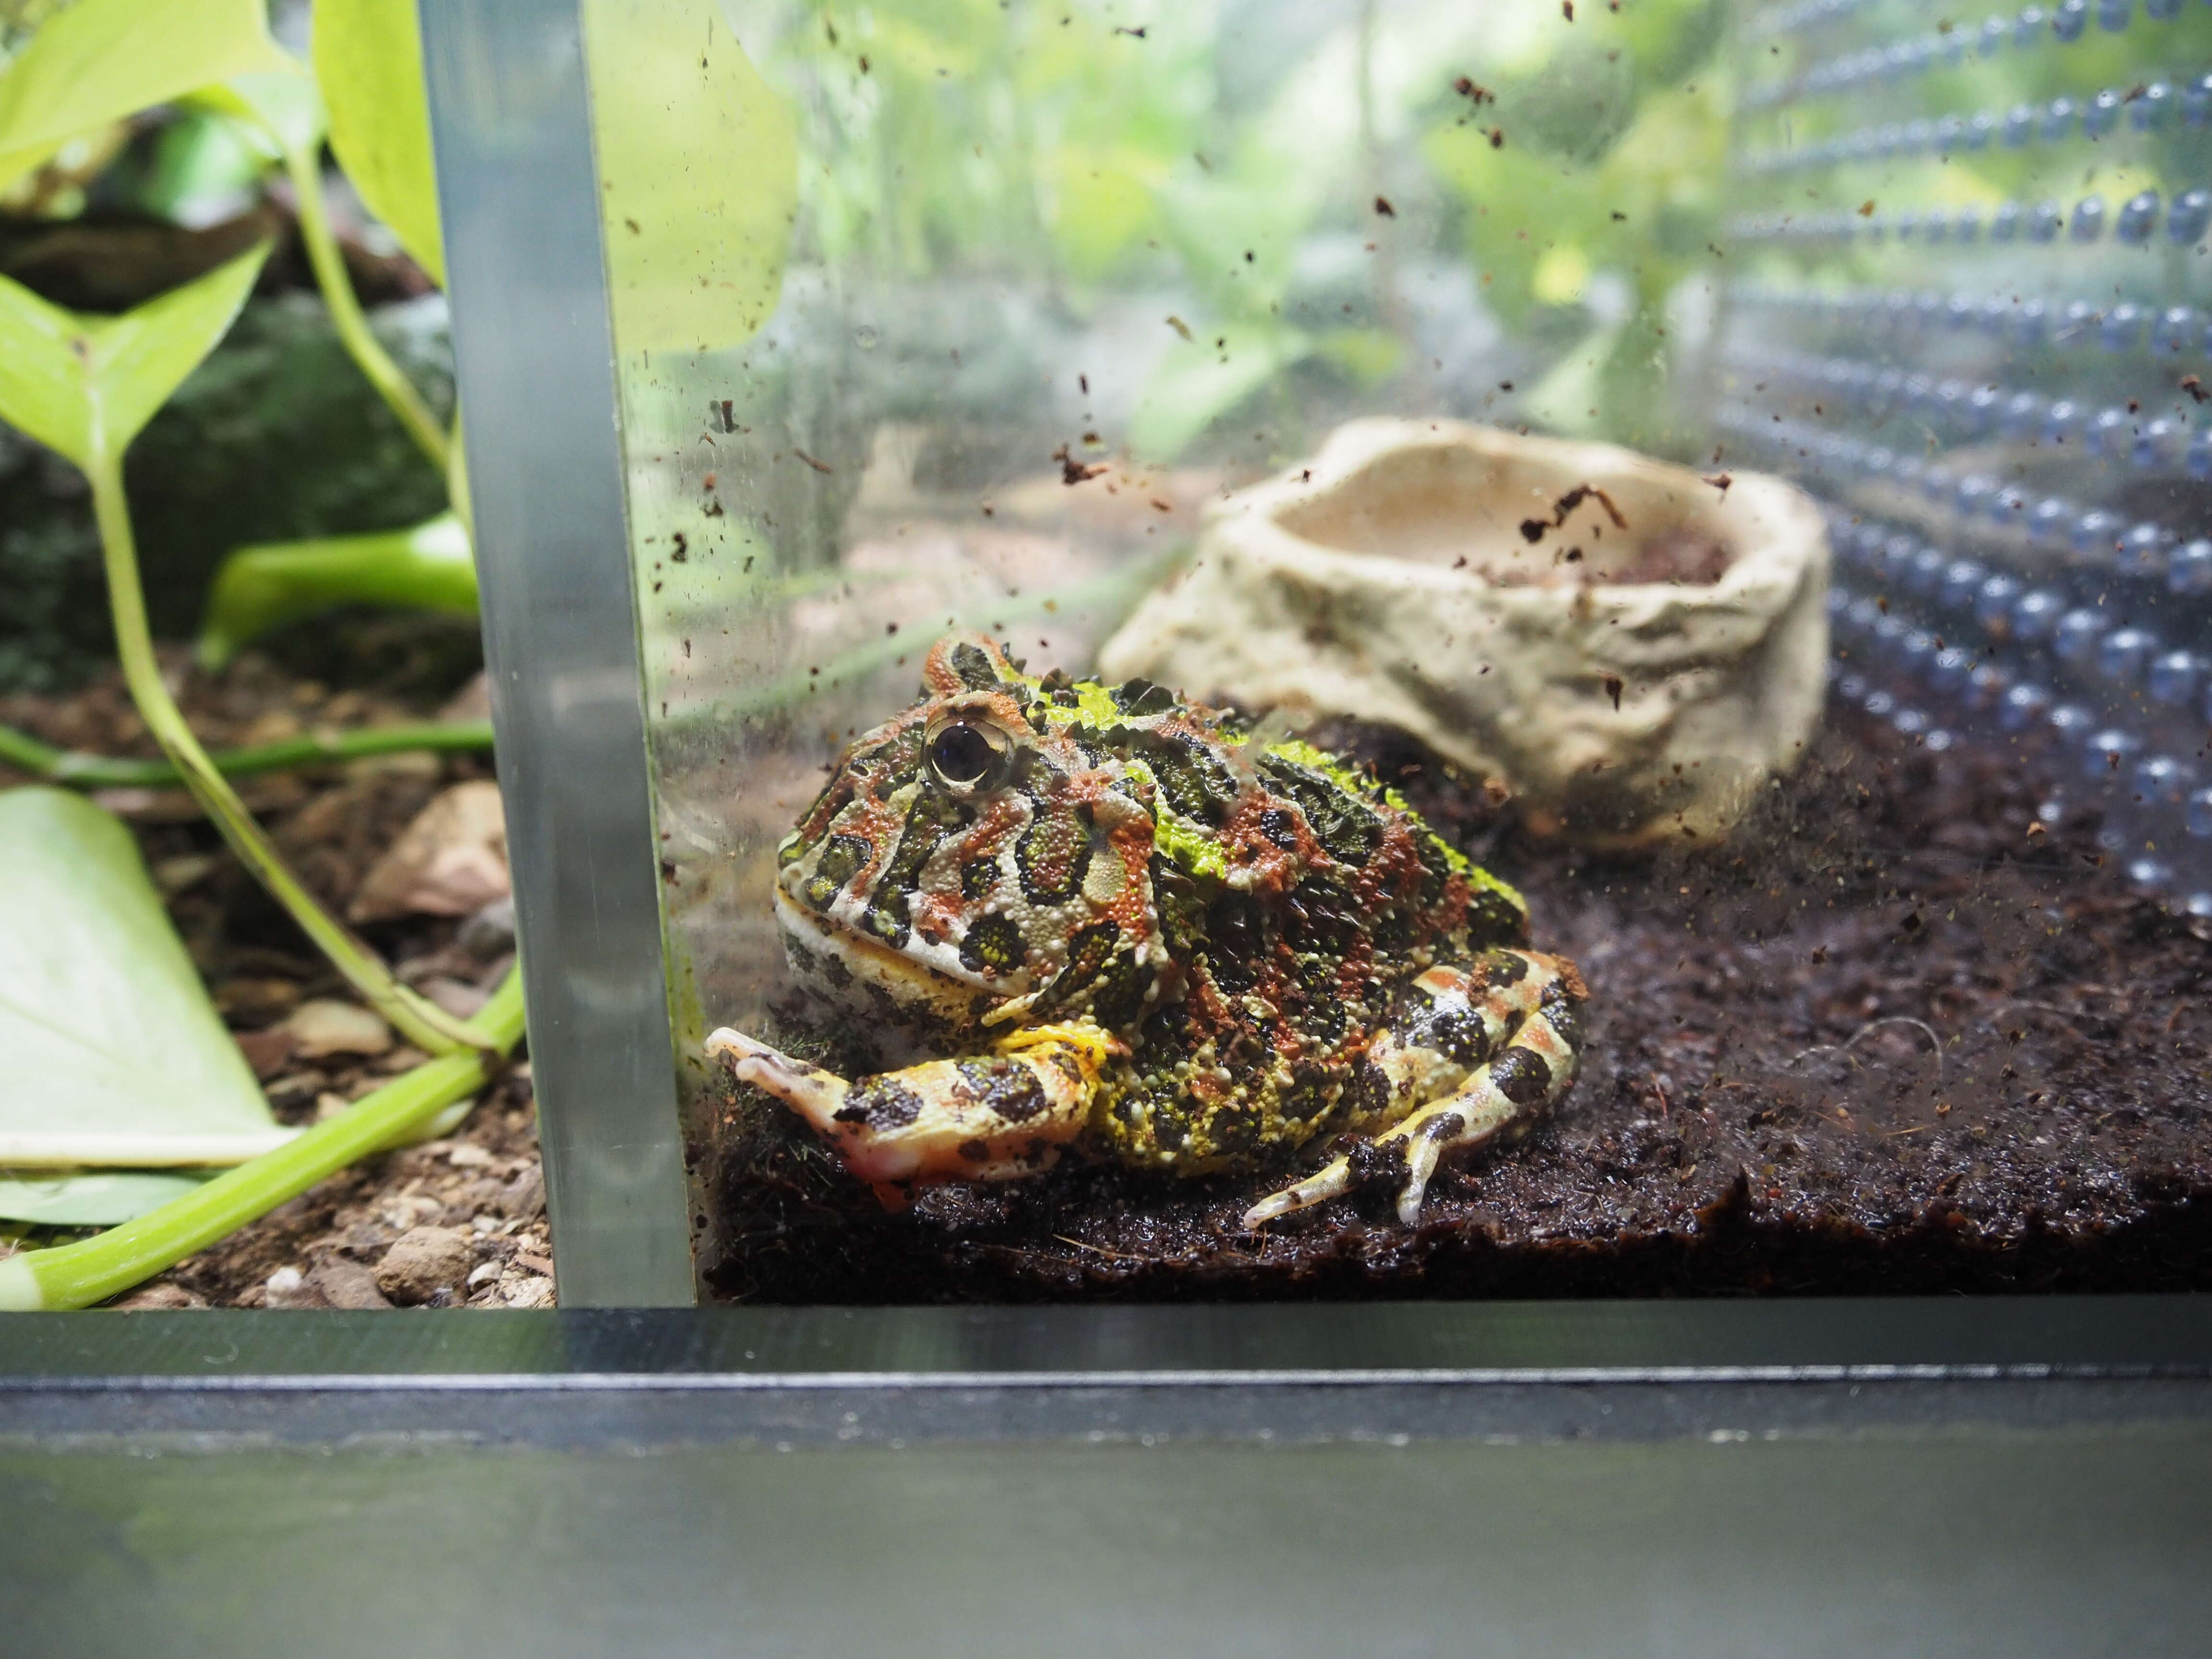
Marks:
<point>1137,928</point>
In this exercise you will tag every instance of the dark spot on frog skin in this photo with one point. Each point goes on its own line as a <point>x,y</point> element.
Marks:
<point>1192,779</point>
<point>1521,1075</point>
<point>1494,918</point>
<point>1281,828</point>
<point>1236,935</point>
<point>1371,1089</point>
<point>881,1104</point>
<point>839,862</point>
<point>1313,1091</point>
<point>974,667</point>
<point>1448,1127</point>
<point>1564,1010</point>
<point>1052,858</point>
<point>974,1151</point>
<point>1345,828</point>
<point>1454,1032</point>
<point>994,945</point>
<point>1321,916</point>
<point>1008,1089</point>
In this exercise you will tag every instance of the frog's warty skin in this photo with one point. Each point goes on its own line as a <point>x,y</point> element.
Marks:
<point>1487,1051</point>
<point>1136,929</point>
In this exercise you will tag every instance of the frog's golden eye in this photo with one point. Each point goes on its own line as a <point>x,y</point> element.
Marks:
<point>968,756</point>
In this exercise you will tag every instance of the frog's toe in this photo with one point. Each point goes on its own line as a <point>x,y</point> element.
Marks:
<point>1332,1179</point>
<point>814,1094</point>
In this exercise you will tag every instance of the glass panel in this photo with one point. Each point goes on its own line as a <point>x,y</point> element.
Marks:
<point>1274,354</point>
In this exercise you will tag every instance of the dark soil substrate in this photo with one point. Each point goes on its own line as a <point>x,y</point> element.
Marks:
<point>1761,1108</point>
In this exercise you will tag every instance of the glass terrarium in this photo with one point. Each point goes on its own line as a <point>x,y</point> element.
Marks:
<point>1369,648</point>
<point>1672,528</point>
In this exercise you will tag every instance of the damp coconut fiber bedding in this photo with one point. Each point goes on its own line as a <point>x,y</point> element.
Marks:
<point>1892,1035</point>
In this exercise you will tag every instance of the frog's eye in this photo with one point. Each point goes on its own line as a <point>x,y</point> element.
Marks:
<point>968,756</point>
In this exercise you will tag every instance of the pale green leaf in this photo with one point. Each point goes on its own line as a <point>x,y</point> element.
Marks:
<point>368,60</point>
<point>87,386</point>
<point>99,61</point>
<point>1201,379</point>
<point>110,1055</point>
<point>699,170</point>
<point>98,1200</point>
<point>427,568</point>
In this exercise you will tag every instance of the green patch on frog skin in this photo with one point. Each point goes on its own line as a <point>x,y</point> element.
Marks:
<point>1094,706</point>
<point>1304,754</point>
<point>1192,848</point>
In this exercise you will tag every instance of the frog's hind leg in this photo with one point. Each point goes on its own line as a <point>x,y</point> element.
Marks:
<point>996,1116</point>
<point>1474,1052</point>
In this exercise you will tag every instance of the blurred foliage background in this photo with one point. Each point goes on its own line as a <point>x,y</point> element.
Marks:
<point>1504,212</point>
<point>1346,204</point>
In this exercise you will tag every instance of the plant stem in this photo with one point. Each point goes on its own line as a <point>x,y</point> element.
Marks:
<point>27,754</point>
<point>78,1275</point>
<point>304,168</point>
<point>422,1023</point>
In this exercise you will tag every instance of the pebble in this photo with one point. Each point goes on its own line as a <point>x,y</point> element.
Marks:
<point>524,1196</point>
<point>347,1285</point>
<point>157,1298</point>
<point>287,1287</point>
<point>326,1026</point>
<point>423,1261</point>
<point>267,1052</point>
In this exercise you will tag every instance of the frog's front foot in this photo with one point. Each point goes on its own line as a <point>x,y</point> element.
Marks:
<point>1486,1047</point>
<point>994,1117</point>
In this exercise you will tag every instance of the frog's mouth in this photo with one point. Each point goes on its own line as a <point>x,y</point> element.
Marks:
<point>921,981</point>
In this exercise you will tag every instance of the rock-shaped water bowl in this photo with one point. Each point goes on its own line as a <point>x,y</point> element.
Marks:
<point>1629,648</point>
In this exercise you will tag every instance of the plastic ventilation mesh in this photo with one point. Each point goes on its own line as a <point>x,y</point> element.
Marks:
<point>1968,309</point>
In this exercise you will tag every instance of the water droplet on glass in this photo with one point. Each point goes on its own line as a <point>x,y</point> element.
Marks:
<point>864,338</point>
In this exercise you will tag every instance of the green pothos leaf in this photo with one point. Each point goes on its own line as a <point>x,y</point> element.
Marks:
<point>86,385</point>
<point>110,1055</point>
<point>98,61</point>
<point>368,62</point>
<point>100,1199</point>
<point>428,566</point>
